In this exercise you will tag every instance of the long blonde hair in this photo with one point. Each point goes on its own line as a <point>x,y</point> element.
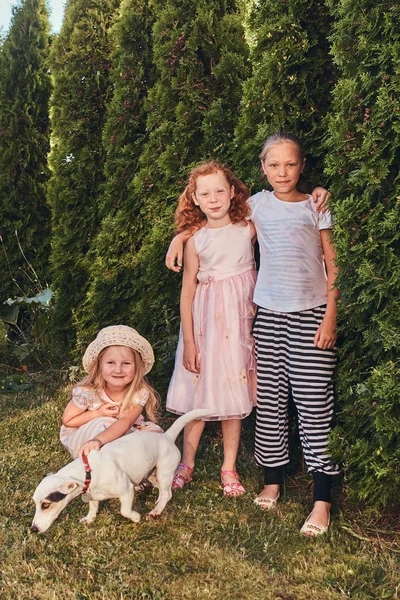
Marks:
<point>94,381</point>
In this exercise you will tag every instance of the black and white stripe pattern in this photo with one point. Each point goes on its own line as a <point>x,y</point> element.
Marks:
<point>287,359</point>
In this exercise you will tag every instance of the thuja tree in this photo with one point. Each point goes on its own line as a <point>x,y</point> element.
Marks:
<point>24,143</point>
<point>109,297</point>
<point>82,87</point>
<point>363,163</point>
<point>288,90</point>
<point>201,59</point>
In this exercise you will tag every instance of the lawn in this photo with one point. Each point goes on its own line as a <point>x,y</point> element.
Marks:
<point>202,547</point>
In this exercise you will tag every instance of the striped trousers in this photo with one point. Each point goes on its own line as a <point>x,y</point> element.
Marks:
<point>288,361</point>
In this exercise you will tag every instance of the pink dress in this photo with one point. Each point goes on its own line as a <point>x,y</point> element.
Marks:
<point>223,312</point>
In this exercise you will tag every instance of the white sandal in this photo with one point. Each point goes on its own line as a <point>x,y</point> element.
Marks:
<point>266,503</point>
<point>315,530</point>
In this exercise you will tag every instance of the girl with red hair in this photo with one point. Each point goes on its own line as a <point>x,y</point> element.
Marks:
<point>215,365</point>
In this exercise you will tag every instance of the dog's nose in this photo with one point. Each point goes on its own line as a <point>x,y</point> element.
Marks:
<point>35,529</point>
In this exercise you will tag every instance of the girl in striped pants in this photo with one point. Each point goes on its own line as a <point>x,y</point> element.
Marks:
<point>294,328</point>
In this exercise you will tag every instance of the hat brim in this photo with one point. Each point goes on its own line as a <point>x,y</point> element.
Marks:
<point>133,340</point>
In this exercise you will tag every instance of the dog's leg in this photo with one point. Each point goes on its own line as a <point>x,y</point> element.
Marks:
<point>126,507</point>
<point>165,494</point>
<point>93,508</point>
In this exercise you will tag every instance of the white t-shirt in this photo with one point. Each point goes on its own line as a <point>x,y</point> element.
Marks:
<point>292,273</point>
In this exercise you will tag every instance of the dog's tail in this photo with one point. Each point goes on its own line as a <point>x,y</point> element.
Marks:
<point>180,423</point>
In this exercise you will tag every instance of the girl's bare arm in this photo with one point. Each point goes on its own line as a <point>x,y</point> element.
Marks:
<point>326,335</point>
<point>189,283</point>
<point>115,431</point>
<point>173,258</point>
<point>75,417</point>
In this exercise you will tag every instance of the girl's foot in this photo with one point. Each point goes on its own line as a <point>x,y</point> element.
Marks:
<point>231,483</point>
<point>268,498</point>
<point>183,475</point>
<point>318,520</point>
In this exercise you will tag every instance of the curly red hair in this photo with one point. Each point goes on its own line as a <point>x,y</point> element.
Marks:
<point>189,216</point>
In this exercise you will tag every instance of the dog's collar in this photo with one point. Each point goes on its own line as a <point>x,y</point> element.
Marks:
<point>88,474</point>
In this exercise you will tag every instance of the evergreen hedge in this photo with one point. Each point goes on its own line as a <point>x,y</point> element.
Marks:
<point>135,105</point>
<point>363,164</point>
<point>289,89</point>
<point>24,143</point>
<point>81,74</point>
<point>109,297</point>
<point>200,56</point>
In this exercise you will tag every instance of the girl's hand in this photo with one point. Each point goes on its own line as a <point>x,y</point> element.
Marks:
<point>326,334</point>
<point>190,358</point>
<point>321,196</point>
<point>89,446</point>
<point>174,254</point>
<point>108,410</point>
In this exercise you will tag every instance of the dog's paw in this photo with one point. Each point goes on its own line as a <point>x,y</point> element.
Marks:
<point>86,520</point>
<point>153,515</point>
<point>133,516</point>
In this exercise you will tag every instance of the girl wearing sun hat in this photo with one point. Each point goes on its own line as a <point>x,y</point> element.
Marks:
<point>109,401</point>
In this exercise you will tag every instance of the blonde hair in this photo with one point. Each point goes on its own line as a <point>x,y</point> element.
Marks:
<point>94,381</point>
<point>280,138</point>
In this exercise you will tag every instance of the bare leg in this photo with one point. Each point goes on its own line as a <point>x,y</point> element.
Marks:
<point>191,440</point>
<point>231,438</point>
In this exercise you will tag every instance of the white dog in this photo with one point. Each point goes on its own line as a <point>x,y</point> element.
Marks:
<point>115,470</point>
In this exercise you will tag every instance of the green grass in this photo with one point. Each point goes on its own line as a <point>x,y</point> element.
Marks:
<point>203,546</point>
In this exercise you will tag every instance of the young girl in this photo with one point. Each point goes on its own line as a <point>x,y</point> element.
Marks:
<point>294,328</point>
<point>109,401</point>
<point>215,366</point>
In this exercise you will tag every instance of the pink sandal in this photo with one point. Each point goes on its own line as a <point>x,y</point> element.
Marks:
<point>234,488</point>
<point>179,480</point>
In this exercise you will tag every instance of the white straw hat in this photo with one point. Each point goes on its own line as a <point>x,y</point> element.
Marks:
<point>119,335</point>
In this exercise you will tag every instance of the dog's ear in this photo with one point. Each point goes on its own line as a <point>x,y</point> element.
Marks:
<point>67,487</point>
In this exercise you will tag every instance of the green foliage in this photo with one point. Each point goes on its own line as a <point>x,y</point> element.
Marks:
<point>82,87</point>
<point>292,76</point>
<point>24,143</point>
<point>200,57</point>
<point>26,330</point>
<point>108,299</point>
<point>363,164</point>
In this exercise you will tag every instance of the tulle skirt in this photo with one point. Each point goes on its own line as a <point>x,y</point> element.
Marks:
<point>223,313</point>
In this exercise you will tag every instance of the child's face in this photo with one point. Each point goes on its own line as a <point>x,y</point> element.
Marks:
<point>117,367</point>
<point>282,165</point>
<point>213,195</point>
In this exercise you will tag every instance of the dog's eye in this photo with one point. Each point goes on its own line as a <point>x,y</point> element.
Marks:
<point>45,505</point>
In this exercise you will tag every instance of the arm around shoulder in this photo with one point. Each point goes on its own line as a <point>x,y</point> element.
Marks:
<point>321,197</point>
<point>173,258</point>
